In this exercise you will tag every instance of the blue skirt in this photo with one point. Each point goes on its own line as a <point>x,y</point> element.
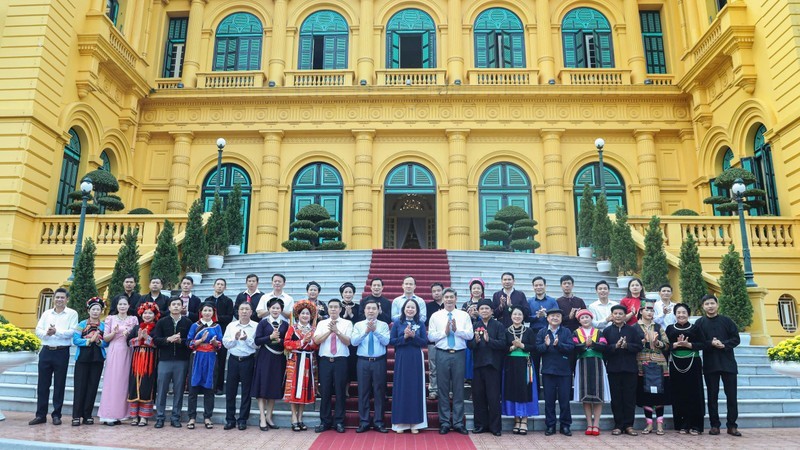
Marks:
<point>468,371</point>
<point>203,369</point>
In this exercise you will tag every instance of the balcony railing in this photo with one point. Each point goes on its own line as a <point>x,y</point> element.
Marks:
<point>319,78</point>
<point>230,80</point>
<point>411,77</point>
<point>508,77</point>
<point>661,79</point>
<point>168,83</point>
<point>54,231</point>
<point>595,77</point>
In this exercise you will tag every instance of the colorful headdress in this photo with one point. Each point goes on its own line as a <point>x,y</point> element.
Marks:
<point>583,312</point>
<point>478,281</point>
<point>149,306</point>
<point>305,304</point>
<point>95,301</point>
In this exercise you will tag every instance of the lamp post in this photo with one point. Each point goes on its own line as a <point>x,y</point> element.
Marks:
<point>737,192</point>
<point>86,190</point>
<point>220,145</point>
<point>600,143</point>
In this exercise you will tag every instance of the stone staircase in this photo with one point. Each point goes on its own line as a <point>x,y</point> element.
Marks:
<point>766,399</point>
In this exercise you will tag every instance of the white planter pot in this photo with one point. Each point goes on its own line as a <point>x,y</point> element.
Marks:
<point>14,359</point>
<point>651,295</point>
<point>788,368</point>
<point>604,266</point>
<point>744,338</point>
<point>622,282</point>
<point>215,261</point>
<point>585,252</point>
<point>234,249</point>
<point>197,277</point>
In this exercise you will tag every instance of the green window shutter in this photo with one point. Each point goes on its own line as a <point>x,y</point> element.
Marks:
<point>428,61</point>
<point>570,58</point>
<point>653,40</point>
<point>507,59</point>
<point>491,204</point>
<point>605,50</point>
<point>520,200</point>
<point>243,55</point>
<point>329,53</point>
<point>330,176</point>
<point>254,61</point>
<point>491,49</point>
<point>331,203</point>
<point>491,177</point>
<point>517,50</point>
<point>516,177</point>
<point>306,52</point>
<point>393,57</point>
<point>481,55</point>
<point>220,51</point>
<point>340,45</point>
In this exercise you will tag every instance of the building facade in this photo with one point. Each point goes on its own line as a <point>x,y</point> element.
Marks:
<point>411,122</point>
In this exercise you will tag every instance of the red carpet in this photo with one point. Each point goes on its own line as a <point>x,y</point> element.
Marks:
<point>426,266</point>
<point>373,440</point>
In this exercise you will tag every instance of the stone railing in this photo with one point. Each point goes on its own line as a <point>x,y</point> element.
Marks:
<point>168,83</point>
<point>54,232</point>
<point>493,77</point>
<point>660,79</point>
<point>230,80</point>
<point>411,77</point>
<point>594,77</point>
<point>319,78</point>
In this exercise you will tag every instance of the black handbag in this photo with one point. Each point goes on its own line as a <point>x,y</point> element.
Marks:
<point>653,378</point>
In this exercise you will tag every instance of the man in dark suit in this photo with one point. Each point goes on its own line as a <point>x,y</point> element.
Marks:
<point>155,296</point>
<point>505,298</point>
<point>376,295</point>
<point>129,290</point>
<point>555,345</point>
<point>191,302</point>
<point>488,348</point>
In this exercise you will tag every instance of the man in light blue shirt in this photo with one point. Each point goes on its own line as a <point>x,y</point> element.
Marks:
<point>371,336</point>
<point>409,285</point>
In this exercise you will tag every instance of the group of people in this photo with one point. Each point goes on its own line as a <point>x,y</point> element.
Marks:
<point>507,347</point>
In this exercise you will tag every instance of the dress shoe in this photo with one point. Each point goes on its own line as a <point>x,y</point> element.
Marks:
<point>40,420</point>
<point>565,431</point>
<point>362,428</point>
<point>381,429</point>
<point>339,428</point>
<point>89,421</point>
<point>550,431</point>
<point>461,430</point>
<point>242,426</point>
<point>219,392</point>
<point>56,420</point>
<point>273,426</point>
<point>497,433</point>
<point>320,428</point>
<point>263,428</point>
<point>229,426</point>
<point>444,429</point>
<point>714,431</point>
<point>734,431</point>
<point>159,423</point>
<point>175,423</point>
<point>478,430</point>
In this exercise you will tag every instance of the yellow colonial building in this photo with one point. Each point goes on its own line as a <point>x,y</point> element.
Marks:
<point>412,122</point>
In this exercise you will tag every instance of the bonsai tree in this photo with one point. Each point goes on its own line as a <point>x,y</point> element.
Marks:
<point>623,248</point>
<point>216,229</point>
<point>314,229</point>
<point>127,263</point>
<point>513,228</point>
<point>83,285</point>
<point>733,299</point>
<point>193,258</point>
<point>692,284</point>
<point>586,218</point>
<point>753,198</point>
<point>233,216</point>
<point>104,185</point>
<point>654,262</point>
<point>165,263</point>
<point>601,229</point>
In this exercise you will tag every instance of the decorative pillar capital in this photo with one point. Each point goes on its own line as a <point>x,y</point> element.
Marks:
<point>271,135</point>
<point>182,136</point>
<point>645,133</point>
<point>455,134</point>
<point>364,134</point>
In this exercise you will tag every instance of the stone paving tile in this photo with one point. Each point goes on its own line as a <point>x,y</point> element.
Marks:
<point>125,436</point>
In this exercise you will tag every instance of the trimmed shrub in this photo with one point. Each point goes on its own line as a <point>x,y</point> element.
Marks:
<point>685,212</point>
<point>304,234</point>
<point>734,301</point>
<point>294,246</point>
<point>193,258</point>
<point>586,217</point>
<point>83,285</point>
<point>601,229</point>
<point>623,248</point>
<point>301,224</point>
<point>693,286</point>
<point>328,233</point>
<point>313,212</point>
<point>332,245</point>
<point>497,225</point>
<point>233,216</point>
<point>140,211</point>
<point>111,202</point>
<point>495,235</point>
<point>127,263</point>
<point>655,269</point>
<point>216,229</point>
<point>327,223</point>
<point>165,263</point>
<point>524,244</point>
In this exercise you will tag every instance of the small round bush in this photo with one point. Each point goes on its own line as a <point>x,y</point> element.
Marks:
<point>297,224</point>
<point>525,223</point>
<point>493,248</point>
<point>685,212</point>
<point>524,244</point>
<point>294,246</point>
<point>304,233</point>
<point>329,233</point>
<point>111,202</point>
<point>328,223</point>
<point>522,232</point>
<point>511,214</point>
<point>140,211</point>
<point>332,245</point>
<point>494,235</point>
<point>313,212</point>
<point>497,225</point>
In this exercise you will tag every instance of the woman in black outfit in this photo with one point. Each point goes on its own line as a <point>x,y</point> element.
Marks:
<point>686,373</point>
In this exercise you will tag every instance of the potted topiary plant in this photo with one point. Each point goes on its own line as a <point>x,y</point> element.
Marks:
<point>513,228</point>
<point>601,234</point>
<point>166,264</point>
<point>216,235</point>
<point>314,229</point>
<point>193,258</point>
<point>753,197</point>
<point>127,263</point>
<point>733,299</point>
<point>83,285</point>
<point>623,249</point>
<point>654,262</point>
<point>585,222</point>
<point>692,285</point>
<point>234,220</point>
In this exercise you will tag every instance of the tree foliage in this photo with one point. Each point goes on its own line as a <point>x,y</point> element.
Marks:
<point>752,197</point>
<point>314,229</point>
<point>692,285</point>
<point>165,263</point>
<point>233,215</point>
<point>127,263</point>
<point>216,229</point>
<point>83,286</point>
<point>586,217</point>
<point>734,301</point>
<point>601,229</point>
<point>655,269</point>
<point>511,230</point>
<point>193,258</point>
<point>623,248</point>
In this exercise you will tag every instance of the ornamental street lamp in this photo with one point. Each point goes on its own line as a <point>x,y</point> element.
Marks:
<point>600,143</point>
<point>737,192</point>
<point>220,145</point>
<point>86,190</point>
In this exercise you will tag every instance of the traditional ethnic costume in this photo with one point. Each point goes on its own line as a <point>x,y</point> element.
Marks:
<point>686,372</point>
<point>653,353</point>
<point>270,360</point>
<point>520,392</point>
<point>203,364</point>
<point>89,360</point>
<point>300,383</point>
<point>142,378</point>
<point>591,381</point>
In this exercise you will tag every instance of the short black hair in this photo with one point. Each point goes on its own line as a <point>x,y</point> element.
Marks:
<point>665,285</point>
<point>160,280</point>
<point>597,285</point>
<point>709,297</point>
<point>61,289</point>
<point>283,277</point>
<point>223,280</point>
<point>188,278</point>
<point>174,299</point>
<point>374,280</point>
<point>433,285</point>
<point>567,278</point>
<point>244,304</point>
<point>409,276</point>
<point>334,300</point>
<point>450,291</point>
<point>370,302</point>
<point>539,278</point>
<point>507,273</point>
<point>313,283</point>
<point>130,275</point>
<point>252,275</point>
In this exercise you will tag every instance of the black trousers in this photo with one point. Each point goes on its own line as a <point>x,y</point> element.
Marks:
<point>371,382</point>
<point>557,387</point>
<point>87,380</point>
<point>486,398</point>
<point>219,369</point>
<point>536,359</point>
<point>332,381</point>
<point>240,371</point>
<point>208,402</point>
<point>712,385</point>
<point>53,365</point>
<point>623,398</point>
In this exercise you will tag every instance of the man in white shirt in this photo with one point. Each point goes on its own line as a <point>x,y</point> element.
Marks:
<point>449,330</point>
<point>601,308</point>
<point>333,337</point>
<point>409,285</point>
<point>278,283</point>
<point>665,307</point>
<point>55,329</point>
<point>238,339</point>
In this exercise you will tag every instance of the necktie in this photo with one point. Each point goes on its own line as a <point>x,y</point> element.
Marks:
<point>371,345</point>
<point>333,344</point>
<point>451,338</point>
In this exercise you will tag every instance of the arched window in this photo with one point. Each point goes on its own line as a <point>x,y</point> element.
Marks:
<point>323,42</point>
<point>112,10</point>
<point>787,312</point>
<point>410,178</point>
<point>69,172</point>
<point>499,40</point>
<point>238,43</point>
<point>232,174</point>
<point>761,166</point>
<point>614,184</point>
<point>502,185</point>
<point>586,34</point>
<point>321,184</point>
<point>411,40</point>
